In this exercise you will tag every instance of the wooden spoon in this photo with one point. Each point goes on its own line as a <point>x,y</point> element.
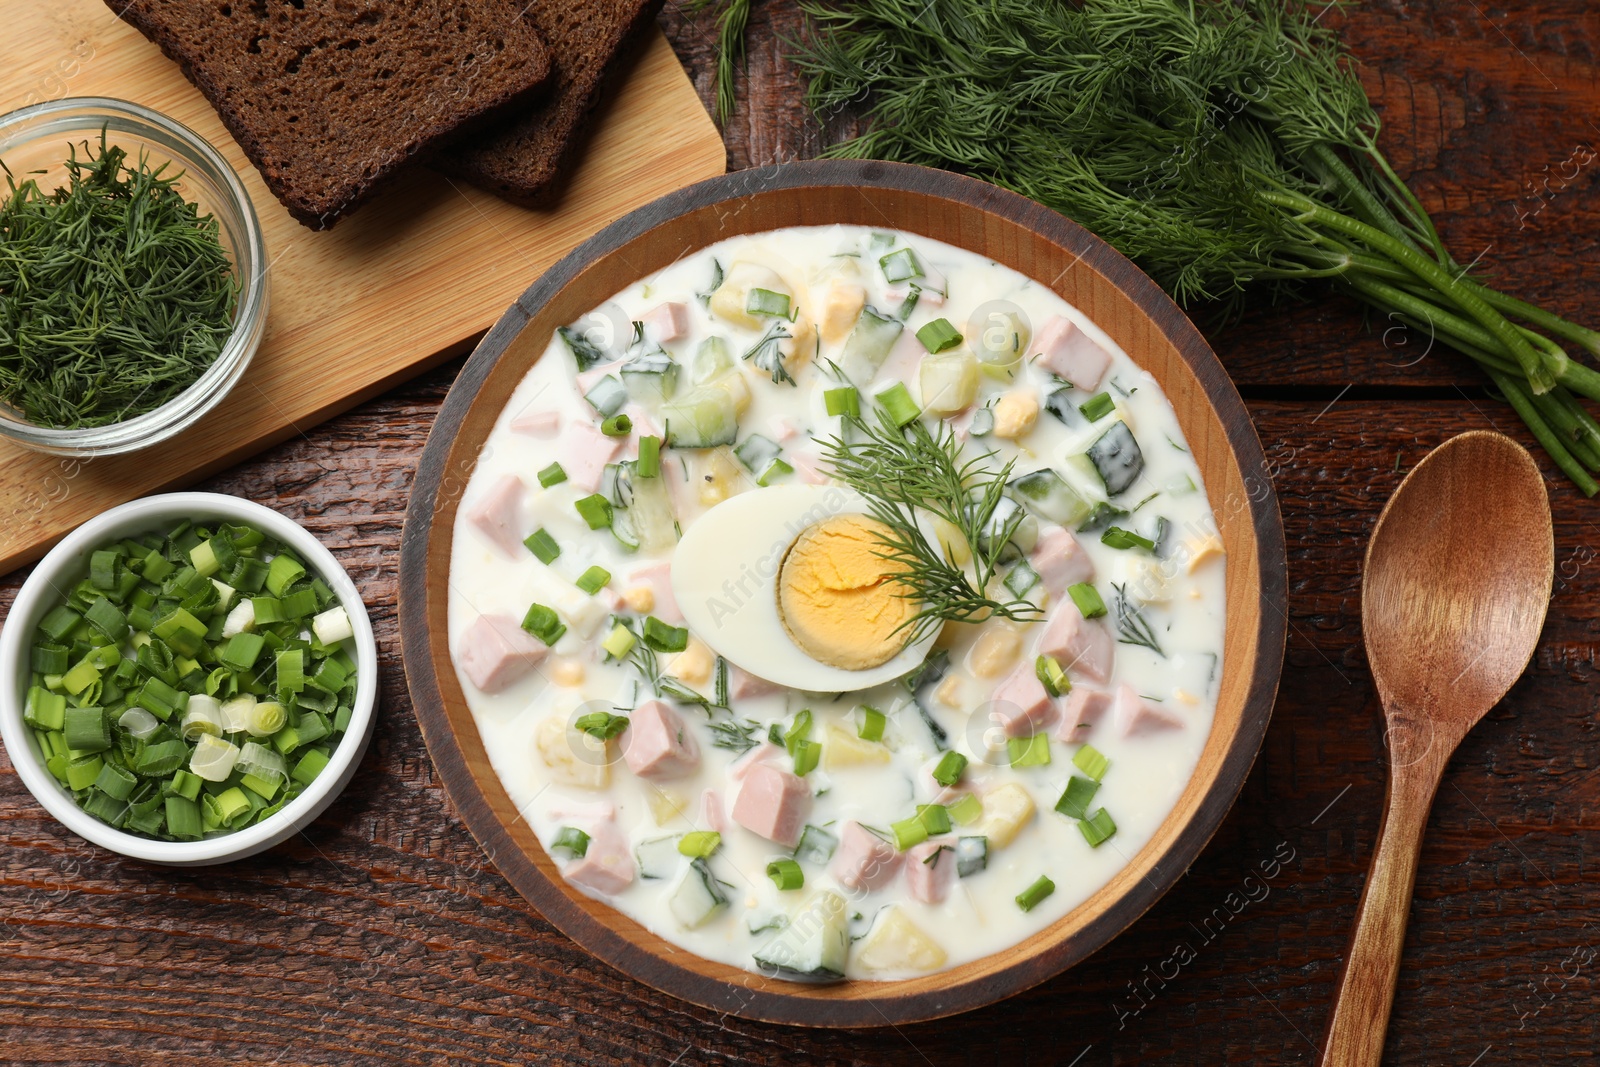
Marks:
<point>1454,591</point>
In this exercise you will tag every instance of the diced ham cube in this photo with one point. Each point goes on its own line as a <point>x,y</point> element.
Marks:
<point>537,423</point>
<point>806,466</point>
<point>773,803</point>
<point>1081,709</point>
<point>657,577</point>
<point>666,322</point>
<point>742,685</point>
<point>1066,350</point>
<point>765,752</point>
<point>864,860</point>
<point>1084,646</point>
<point>585,451</point>
<point>784,430</point>
<point>715,817</point>
<point>930,871</point>
<point>1133,714</point>
<point>607,866</point>
<point>495,651</point>
<point>1021,705</point>
<point>1060,560</point>
<point>498,514</point>
<point>583,812</point>
<point>658,744</point>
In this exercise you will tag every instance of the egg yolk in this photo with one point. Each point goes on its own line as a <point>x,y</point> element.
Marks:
<point>837,597</point>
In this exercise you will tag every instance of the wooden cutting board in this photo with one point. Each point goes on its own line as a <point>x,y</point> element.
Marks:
<point>411,279</point>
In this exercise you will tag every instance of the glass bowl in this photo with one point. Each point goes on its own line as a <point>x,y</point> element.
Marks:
<point>35,139</point>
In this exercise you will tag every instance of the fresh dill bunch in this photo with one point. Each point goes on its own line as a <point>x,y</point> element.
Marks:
<point>731,24</point>
<point>116,294</point>
<point>1222,145</point>
<point>911,471</point>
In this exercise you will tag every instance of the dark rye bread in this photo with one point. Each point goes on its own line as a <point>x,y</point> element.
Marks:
<point>329,97</point>
<point>519,159</point>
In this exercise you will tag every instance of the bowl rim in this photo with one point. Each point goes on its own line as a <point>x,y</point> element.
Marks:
<point>960,193</point>
<point>250,267</point>
<point>40,590</point>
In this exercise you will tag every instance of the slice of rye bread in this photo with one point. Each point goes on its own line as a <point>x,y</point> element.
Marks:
<point>519,159</point>
<point>330,97</point>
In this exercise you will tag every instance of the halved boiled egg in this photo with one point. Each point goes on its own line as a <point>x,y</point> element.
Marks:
<point>785,583</point>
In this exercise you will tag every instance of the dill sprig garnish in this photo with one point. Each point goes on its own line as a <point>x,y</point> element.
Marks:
<point>726,731</point>
<point>1222,145</point>
<point>116,294</point>
<point>1132,627</point>
<point>904,471</point>
<point>734,735</point>
<point>731,23</point>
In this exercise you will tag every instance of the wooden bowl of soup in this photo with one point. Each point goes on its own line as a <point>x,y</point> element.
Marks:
<point>1130,313</point>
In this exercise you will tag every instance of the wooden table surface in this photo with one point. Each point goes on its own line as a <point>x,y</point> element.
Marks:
<point>382,935</point>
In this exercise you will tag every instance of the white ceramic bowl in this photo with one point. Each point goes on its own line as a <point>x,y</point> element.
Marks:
<point>66,564</point>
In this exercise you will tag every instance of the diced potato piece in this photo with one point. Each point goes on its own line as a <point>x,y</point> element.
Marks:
<point>665,805</point>
<point>719,475</point>
<point>948,382</point>
<point>895,943</point>
<point>1145,579</point>
<point>728,302</point>
<point>1015,413</point>
<point>951,691</point>
<point>574,758</point>
<point>1006,811</point>
<point>840,308</point>
<point>693,665</point>
<point>1203,548</point>
<point>842,748</point>
<point>567,672</point>
<point>640,598</point>
<point>996,649</point>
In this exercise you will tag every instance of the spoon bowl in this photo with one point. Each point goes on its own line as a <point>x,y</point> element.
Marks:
<point>1454,592</point>
<point>1457,579</point>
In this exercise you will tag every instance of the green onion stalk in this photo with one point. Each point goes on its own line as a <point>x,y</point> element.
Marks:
<point>1222,145</point>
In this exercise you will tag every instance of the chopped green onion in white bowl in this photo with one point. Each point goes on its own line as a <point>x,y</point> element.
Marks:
<point>238,736</point>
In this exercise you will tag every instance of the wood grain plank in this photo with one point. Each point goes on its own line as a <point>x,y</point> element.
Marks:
<point>412,278</point>
<point>384,936</point>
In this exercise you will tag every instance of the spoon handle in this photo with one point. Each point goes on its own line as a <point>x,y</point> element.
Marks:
<point>1366,985</point>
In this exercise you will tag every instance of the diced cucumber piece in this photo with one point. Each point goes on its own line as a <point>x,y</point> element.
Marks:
<point>1116,458</point>
<point>868,345</point>
<point>814,945</point>
<point>900,265</point>
<point>624,530</point>
<point>652,377</point>
<point>1161,534</point>
<point>972,855</point>
<point>584,351</point>
<point>711,360</point>
<point>658,857</point>
<point>1021,578</point>
<point>697,897</point>
<point>766,302</point>
<point>653,525</point>
<point>701,418</point>
<point>982,422</point>
<point>607,395</point>
<point>1049,496</point>
<point>816,845</point>
<point>1059,403</point>
<point>1008,515</point>
<point>757,452</point>
<point>1100,517</point>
